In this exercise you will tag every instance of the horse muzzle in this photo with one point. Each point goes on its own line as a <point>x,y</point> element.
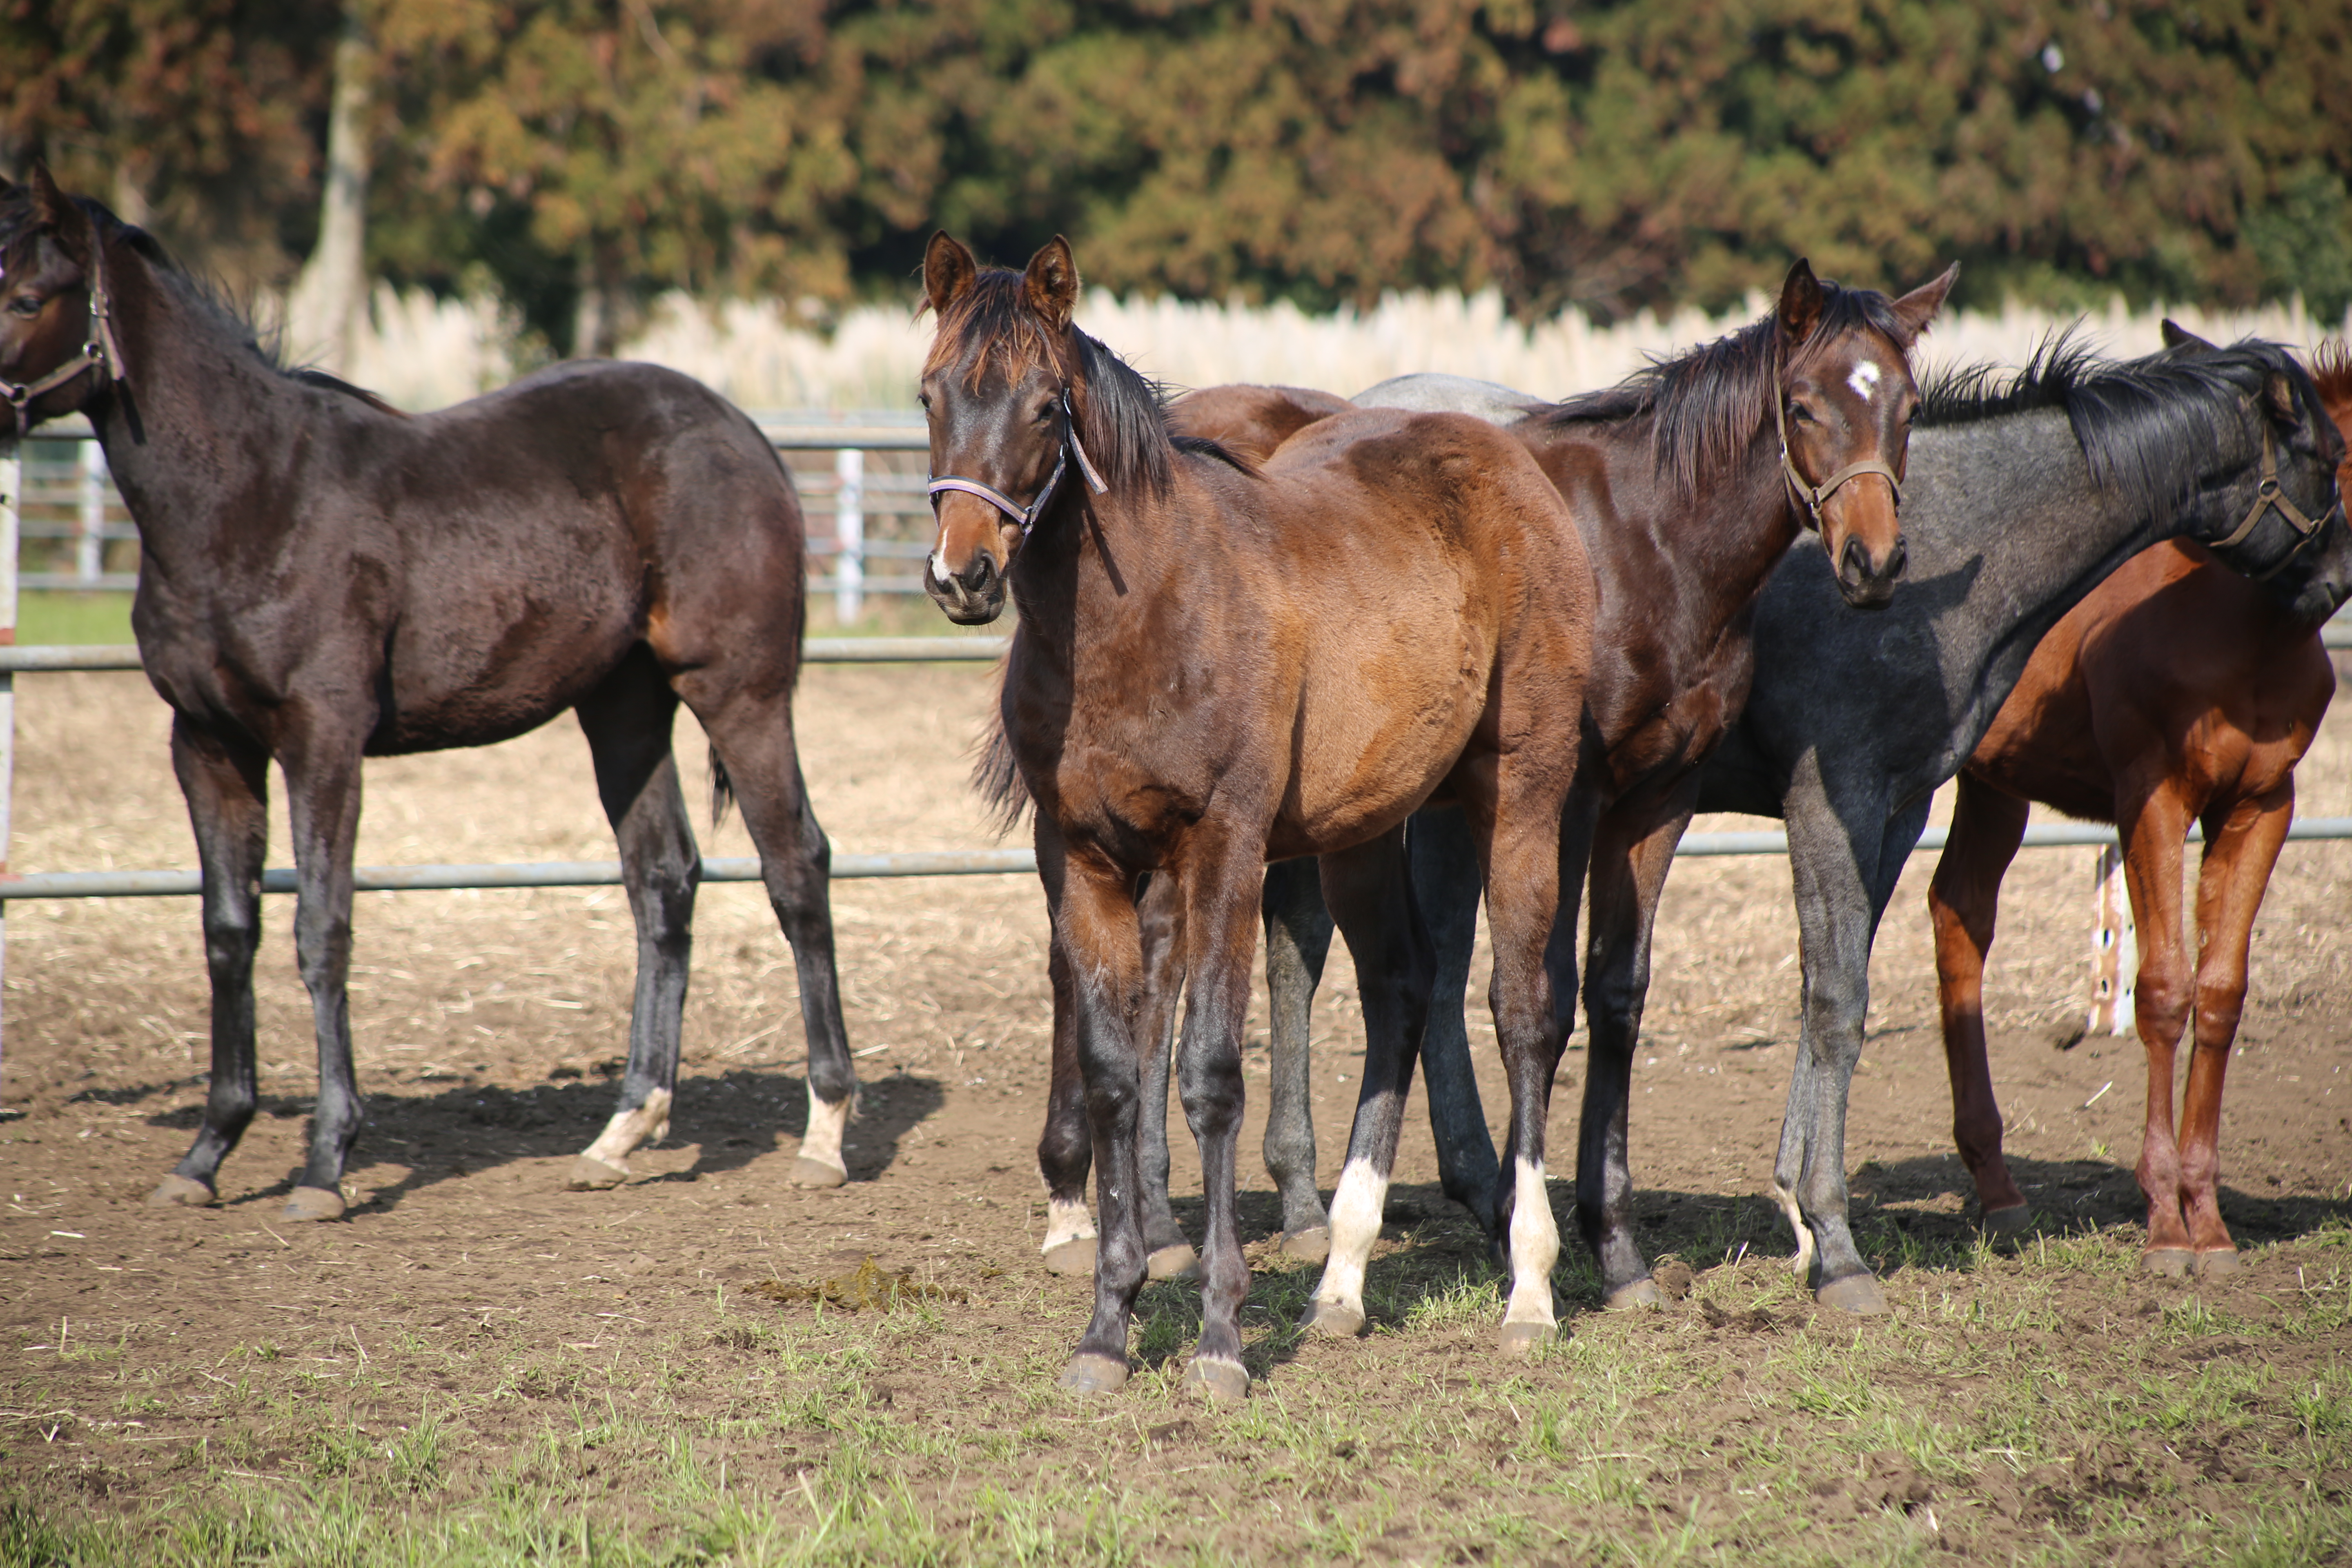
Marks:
<point>973,597</point>
<point>1868,584</point>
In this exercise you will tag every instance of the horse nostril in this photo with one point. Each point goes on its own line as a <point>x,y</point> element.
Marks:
<point>976,577</point>
<point>1896,557</point>
<point>1853,562</point>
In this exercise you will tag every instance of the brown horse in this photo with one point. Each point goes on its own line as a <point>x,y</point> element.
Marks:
<point>2179,692</point>
<point>324,578</point>
<point>1218,663</point>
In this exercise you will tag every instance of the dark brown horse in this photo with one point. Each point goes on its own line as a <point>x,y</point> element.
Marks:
<point>323,578</point>
<point>2179,692</point>
<point>1676,479</point>
<point>1218,663</point>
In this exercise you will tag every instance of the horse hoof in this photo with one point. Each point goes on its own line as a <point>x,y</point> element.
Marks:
<point>1176,1262</point>
<point>1217,1380</point>
<point>182,1191</point>
<point>314,1203</point>
<point>2014,1220</point>
<point>1335,1318</point>
<point>589,1174</point>
<point>2171,1262</point>
<point>1095,1374</point>
<point>1856,1293</point>
<point>1521,1339</point>
<point>1075,1257</point>
<point>2217,1262</point>
<point>808,1172</point>
<point>1312,1244</point>
<point>1642,1292</point>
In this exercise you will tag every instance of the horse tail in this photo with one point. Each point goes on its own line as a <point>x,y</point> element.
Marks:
<point>723,791</point>
<point>997,777</point>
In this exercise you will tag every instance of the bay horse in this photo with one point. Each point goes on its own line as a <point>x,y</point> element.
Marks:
<point>323,578</point>
<point>1219,663</point>
<point>1687,496</point>
<point>2177,692</point>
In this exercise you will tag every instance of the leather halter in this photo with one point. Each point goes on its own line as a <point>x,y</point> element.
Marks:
<point>2268,495</point>
<point>1813,497</point>
<point>99,352</point>
<point>1027,516</point>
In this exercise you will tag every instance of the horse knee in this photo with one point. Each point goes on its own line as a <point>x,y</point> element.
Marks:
<point>2160,1005</point>
<point>2220,1005</point>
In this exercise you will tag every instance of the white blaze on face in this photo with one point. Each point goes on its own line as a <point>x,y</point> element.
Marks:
<point>826,1122</point>
<point>1864,379</point>
<point>1535,1247</point>
<point>1356,1208</point>
<point>648,1122</point>
<point>1067,1220</point>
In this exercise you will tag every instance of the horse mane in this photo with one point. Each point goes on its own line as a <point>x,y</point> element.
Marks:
<point>2331,372</point>
<point>1706,405</point>
<point>205,295</point>
<point>2144,425</point>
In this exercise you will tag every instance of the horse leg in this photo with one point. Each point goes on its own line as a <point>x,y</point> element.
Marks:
<point>1159,918</point>
<point>751,737</point>
<point>1065,1149</point>
<point>1297,940</point>
<point>1220,880</point>
<point>1987,825</point>
<point>1839,900</point>
<point>1445,861</point>
<point>2153,830</point>
<point>627,721</point>
<point>226,785</point>
<point>1092,905</point>
<point>1632,851</point>
<point>1369,891</point>
<point>2241,849</point>
<point>322,789</point>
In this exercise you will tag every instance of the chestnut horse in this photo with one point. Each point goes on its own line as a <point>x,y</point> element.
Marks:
<point>2179,692</point>
<point>1217,664</point>
<point>324,578</point>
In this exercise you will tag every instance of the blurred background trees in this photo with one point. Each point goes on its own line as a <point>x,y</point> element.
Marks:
<point>577,157</point>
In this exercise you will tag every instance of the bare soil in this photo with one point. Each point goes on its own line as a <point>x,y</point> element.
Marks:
<point>156,1360</point>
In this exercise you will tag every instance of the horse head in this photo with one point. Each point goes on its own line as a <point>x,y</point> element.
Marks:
<point>58,350</point>
<point>1846,405</point>
<point>1002,394</point>
<point>2284,510</point>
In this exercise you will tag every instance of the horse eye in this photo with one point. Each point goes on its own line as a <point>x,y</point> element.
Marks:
<point>1803,414</point>
<point>24,305</point>
<point>925,399</point>
<point>1047,411</point>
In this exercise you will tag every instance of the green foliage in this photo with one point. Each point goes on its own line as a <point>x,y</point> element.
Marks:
<point>579,155</point>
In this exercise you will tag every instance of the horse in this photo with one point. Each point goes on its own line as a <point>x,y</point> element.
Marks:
<point>1218,663</point>
<point>324,578</point>
<point>1686,498</point>
<point>2177,692</point>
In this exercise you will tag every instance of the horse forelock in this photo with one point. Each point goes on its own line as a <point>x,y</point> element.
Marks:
<point>1707,405</point>
<point>993,329</point>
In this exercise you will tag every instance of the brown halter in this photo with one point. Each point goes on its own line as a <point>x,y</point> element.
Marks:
<point>2268,495</point>
<point>99,350</point>
<point>1812,497</point>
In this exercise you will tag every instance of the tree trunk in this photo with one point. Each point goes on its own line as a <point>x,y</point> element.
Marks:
<point>331,291</point>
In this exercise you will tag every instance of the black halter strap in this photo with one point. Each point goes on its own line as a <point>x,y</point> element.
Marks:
<point>1027,516</point>
<point>1813,497</point>
<point>2269,496</point>
<point>99,352</point>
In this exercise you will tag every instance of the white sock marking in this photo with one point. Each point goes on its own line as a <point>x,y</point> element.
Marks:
<point>1355,1225</point>
<point>826,1122</point>
<point>648,1124</point>
<point>1066,1219</point>
<point>1803,1261</point>
<point>1864,379</point>
<point>1535,1247</point>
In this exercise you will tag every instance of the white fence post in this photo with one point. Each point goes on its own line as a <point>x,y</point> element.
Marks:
<point>849,533</point>
<point>2115,950</point>
<point>89,546</point>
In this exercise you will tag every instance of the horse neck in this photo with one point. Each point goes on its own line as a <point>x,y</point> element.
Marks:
<point>1092,563</point>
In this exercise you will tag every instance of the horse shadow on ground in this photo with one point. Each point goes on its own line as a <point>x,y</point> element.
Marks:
<point>455,1130</point>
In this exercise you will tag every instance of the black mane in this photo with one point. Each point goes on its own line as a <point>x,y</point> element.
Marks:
<point>2147,425</point>
<point>1707,405</point>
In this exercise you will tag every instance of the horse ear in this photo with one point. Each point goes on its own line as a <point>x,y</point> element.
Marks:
<point>1801,302</point>
<point>947,272</point>
<point>51,206</point>
<point>2278,396</point>
<point>1918,307</point>
<point>2177,336</point>
<point>1051,282</point>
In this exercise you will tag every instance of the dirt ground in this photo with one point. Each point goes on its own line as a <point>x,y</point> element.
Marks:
<point>177,1364</point>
